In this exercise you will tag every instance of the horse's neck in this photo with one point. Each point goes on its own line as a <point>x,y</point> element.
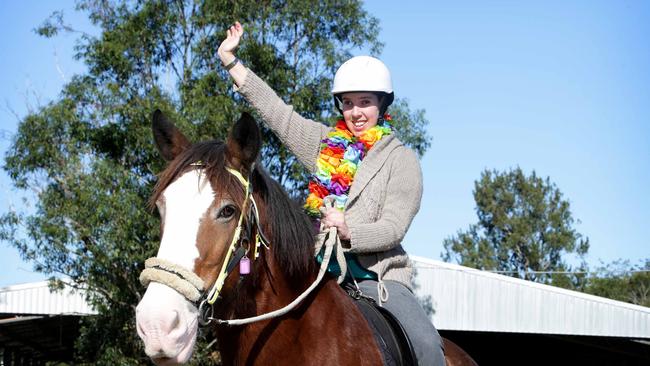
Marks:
<point>325,329</point>
<point>270,292</point>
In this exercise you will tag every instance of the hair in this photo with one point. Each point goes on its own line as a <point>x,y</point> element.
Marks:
<point>385,100</point>
<point>291,231</point>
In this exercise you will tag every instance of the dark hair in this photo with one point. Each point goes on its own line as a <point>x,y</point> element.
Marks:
<point>386,100</point>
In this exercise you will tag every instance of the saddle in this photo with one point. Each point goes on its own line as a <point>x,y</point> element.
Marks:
<point>393,342</point>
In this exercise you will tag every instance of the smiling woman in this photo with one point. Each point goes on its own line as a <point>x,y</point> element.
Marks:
<point>217,201</point>
<point>372,180</point>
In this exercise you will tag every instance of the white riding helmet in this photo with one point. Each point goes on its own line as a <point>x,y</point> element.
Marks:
<point>363,74</point>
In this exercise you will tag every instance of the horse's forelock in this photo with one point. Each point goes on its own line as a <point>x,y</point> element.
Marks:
<point>209,155</point>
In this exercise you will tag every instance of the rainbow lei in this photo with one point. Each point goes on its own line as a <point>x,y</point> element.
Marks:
<point>340,155</point>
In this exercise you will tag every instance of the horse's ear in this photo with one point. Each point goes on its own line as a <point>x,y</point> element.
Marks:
<point>169,139</point>
<point>244,142</point>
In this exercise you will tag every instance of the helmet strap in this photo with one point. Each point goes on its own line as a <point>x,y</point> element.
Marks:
<point>381,97</point>
<point>338,102</point>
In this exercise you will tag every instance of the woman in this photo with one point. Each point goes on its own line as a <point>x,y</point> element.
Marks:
<point>374,180</point>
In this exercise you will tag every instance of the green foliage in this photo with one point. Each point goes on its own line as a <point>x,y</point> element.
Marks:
<point>621,281</point>
<point>87,160</point>
<point>410,126</point>
<point>524,226</point>
<point>51,26</point>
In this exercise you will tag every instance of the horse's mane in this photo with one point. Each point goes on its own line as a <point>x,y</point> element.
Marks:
<point>292,234</point>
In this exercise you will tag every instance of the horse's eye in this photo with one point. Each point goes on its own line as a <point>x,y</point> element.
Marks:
<point>226,212</point>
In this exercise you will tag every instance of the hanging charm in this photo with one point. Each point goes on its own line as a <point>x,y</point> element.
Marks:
<point>244,265</point>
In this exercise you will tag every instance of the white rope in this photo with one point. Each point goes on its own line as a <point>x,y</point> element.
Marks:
<point>331,241</point>
<point>328,202</point>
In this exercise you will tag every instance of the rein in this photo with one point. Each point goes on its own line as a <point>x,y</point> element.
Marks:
<point>191,286</point>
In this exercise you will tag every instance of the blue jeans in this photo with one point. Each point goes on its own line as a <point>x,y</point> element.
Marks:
<point>406,308</point>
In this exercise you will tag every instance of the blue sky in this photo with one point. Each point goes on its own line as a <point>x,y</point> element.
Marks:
<point>561,88</point>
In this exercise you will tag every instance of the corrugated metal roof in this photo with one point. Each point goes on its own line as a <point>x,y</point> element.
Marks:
<point>36,298</point>
<point>468,299</point>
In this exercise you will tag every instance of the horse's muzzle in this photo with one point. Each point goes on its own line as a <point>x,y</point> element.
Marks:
<point>167,324</point>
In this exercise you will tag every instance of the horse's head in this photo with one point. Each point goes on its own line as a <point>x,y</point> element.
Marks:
<point>200,200</point>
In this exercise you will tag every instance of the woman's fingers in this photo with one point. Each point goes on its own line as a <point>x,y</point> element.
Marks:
<point>234,33</point>
<point>233,36</point>
<point>333,217</point>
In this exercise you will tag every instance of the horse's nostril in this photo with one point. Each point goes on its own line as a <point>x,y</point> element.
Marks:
<point>176,320</point>
<point>169,322</point>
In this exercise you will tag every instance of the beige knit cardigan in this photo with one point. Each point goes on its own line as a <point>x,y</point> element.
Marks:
<point>385,194</point>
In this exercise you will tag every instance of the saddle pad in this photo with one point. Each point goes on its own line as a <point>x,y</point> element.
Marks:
<point>389,334</point>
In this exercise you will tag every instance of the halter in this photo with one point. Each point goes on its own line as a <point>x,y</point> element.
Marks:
<point>213,295</point>
<point>188,284</point>
<point>191,286</point>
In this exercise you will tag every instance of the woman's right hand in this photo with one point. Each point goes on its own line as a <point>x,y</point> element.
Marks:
<point>227,48</point>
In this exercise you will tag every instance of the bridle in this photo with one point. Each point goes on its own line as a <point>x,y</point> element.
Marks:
<point>191,286</point>
<point>239,245</point>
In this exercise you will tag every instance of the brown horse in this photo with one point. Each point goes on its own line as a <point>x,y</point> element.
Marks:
<point>208,216</point>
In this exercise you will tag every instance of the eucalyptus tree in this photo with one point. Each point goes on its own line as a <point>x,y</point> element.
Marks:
<point>524,229</point>
<point>86,162</point>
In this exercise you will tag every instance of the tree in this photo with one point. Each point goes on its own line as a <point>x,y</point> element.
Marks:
<point>88,157</point>
<point>524,228</point>
<point>621,281</point>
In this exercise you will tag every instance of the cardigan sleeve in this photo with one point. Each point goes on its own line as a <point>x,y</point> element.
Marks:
<point>302,136</point>
<point>401,203</point>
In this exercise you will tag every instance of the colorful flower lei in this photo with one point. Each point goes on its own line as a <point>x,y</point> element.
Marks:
<point>340,155</point>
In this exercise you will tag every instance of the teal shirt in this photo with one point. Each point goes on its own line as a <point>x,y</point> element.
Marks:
<point>354,267</point>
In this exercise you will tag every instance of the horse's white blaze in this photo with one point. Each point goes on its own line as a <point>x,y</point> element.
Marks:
<point>167,322</point>
<point>186,201</point>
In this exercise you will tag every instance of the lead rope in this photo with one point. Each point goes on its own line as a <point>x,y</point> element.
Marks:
<point>331,241</point>
<point>322,236</point>
<point>328,238</point>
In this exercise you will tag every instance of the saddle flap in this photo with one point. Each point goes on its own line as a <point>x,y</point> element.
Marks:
<point>393,342</point>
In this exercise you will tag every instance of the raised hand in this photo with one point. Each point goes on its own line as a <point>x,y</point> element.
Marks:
<point>229,45</point>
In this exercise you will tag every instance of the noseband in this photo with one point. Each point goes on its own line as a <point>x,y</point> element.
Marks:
<point>191,286</point>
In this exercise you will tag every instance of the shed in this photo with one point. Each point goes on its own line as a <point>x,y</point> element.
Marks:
<point>499,318</point>
<point>37,325</point>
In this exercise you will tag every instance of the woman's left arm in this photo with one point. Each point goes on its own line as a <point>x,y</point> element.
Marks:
<point>401,203</point>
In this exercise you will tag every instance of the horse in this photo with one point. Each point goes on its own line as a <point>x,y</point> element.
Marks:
<point>228,227</point>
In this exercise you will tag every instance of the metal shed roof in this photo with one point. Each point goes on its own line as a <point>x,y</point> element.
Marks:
<point>35,298</point>
<point>468,299</point>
